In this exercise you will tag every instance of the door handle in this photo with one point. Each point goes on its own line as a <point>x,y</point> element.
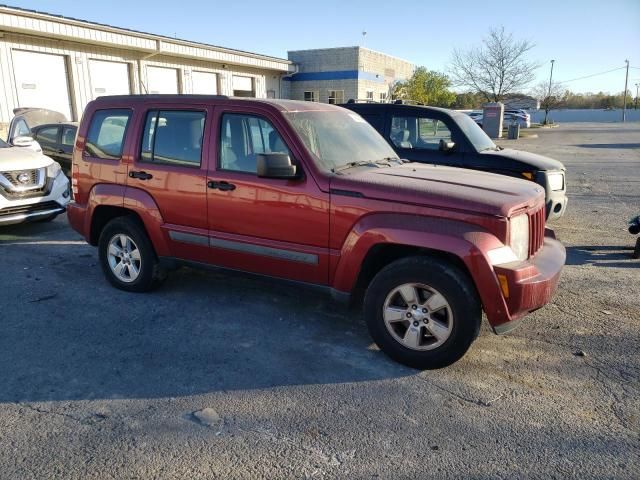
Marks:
<point>140,175</point>
<point>60,150</point>
<point>224,186</point>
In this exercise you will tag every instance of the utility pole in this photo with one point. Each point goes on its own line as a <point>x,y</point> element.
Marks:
<point>546,108</point>
<point>624,103</point>
<point>636,106</point>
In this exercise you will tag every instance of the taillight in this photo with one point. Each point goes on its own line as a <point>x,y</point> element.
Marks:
<point>74,178</point>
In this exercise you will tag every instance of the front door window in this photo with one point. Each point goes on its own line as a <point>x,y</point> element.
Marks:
<point>418,132</point>
<point>245,136</point>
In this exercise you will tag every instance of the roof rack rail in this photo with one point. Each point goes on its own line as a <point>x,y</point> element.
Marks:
<point>361,100</point>
<point>407,102</point>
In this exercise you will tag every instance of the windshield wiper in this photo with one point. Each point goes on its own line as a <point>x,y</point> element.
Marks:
<point>361,163</point>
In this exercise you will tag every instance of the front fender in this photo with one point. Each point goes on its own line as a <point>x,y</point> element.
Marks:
<point>467,242</point>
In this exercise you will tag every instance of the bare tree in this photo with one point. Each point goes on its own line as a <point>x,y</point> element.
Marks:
<point>551,96</point>
<point>495,68</point>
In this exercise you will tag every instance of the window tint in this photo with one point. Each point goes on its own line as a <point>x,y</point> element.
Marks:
<point>245,136</point>
<point>47,135</point>
<point>418,132</point>
<point>68,136</point>
<point>106,133</point>
<point>173,137</point>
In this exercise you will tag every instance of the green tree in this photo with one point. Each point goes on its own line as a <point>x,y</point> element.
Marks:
<point>426,86</point>
<point>468,101</point>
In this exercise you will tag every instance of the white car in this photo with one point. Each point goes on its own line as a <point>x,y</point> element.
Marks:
<point>32,185</point>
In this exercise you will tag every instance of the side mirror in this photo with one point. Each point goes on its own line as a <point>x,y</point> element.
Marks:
<point>26,142</point>
<point>446,146</point>
<point>275,165</point>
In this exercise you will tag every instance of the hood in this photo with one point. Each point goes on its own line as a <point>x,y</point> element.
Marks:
<point>538,161</point>
<point>39,116</point>
<point>442,187</point>
<point>20,158</point>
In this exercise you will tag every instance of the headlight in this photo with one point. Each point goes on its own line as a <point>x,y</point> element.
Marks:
<point>53,169</point>
<point>519,236</point>
<point>556,181</point>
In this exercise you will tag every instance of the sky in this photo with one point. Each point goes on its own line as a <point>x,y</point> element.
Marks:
<point>584,37</point>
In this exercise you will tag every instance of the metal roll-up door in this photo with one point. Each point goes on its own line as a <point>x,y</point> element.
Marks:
<point>204,83</point>
<point>109,78</point>
<point>42,81</point>
<point>162,80</point>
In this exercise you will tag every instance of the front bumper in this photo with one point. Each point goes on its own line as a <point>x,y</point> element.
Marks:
<point>555,200</point>
<point>33,208</point>
<point>531,284</point>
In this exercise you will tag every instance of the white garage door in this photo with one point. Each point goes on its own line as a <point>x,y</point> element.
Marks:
<point>243,86</point>
<point>42,81</point>
<point>109,78</point>
<point>204,83</point>
<point>162,80</point>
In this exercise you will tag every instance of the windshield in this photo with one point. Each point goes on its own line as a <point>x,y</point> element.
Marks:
<point>474,133</point>
<point>338,138</point>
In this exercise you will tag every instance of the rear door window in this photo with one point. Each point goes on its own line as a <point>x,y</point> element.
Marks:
<point>48,135</point>
<point>105,138</point>
<point>173,137</point>
<point>68,136</point>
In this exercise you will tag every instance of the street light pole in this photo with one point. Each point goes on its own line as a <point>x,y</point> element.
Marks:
<point>624,103</point>
<point>636,106</point>
<point>546,107</point>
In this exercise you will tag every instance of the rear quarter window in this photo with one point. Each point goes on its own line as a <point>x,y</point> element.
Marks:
<point>105,138</point>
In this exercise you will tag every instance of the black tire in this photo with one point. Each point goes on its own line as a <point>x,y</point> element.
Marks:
<point>47,219</point>
<point>151,275</point>
<point>452,283</point>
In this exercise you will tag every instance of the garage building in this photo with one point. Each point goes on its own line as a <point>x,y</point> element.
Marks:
<point>62,63</point>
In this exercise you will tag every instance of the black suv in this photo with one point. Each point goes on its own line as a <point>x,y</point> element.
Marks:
<point>447,137</point>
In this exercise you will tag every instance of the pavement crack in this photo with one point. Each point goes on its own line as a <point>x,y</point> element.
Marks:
<point>473,401</point>
<point>83,421</point>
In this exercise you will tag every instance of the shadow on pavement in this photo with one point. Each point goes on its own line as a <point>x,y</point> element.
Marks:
<point>602,256</point>
<point>66,334</point>
<point>609,145</point>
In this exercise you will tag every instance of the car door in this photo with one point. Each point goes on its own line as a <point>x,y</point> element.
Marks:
<point>170,165</point>
<point>416,137</point>
<point>48,136</point>
<point>65,148</point>
<point>276,227</point>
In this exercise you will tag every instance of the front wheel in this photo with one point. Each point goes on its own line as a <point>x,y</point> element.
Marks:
<point>423,312</point>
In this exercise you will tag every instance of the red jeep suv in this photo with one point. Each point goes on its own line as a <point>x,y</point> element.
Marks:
<point>312,193</point>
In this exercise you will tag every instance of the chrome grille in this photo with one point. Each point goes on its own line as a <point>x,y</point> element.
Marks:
<point>12,184</point>
<point>536,230</point>
<point>13,178</point>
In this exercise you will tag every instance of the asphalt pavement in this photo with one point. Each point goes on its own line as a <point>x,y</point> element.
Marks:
<point>221,376</point>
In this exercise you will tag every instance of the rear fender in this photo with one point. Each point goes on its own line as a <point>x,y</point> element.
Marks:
<point>465,241</point>
<point>135,200</point>
<point>145,206</point>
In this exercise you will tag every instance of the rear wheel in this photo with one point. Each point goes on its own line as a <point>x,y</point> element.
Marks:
<point>422,312</point>
<point>127,257</point>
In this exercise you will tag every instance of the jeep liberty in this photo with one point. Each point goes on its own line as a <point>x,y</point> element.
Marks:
<point>311,193</point>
